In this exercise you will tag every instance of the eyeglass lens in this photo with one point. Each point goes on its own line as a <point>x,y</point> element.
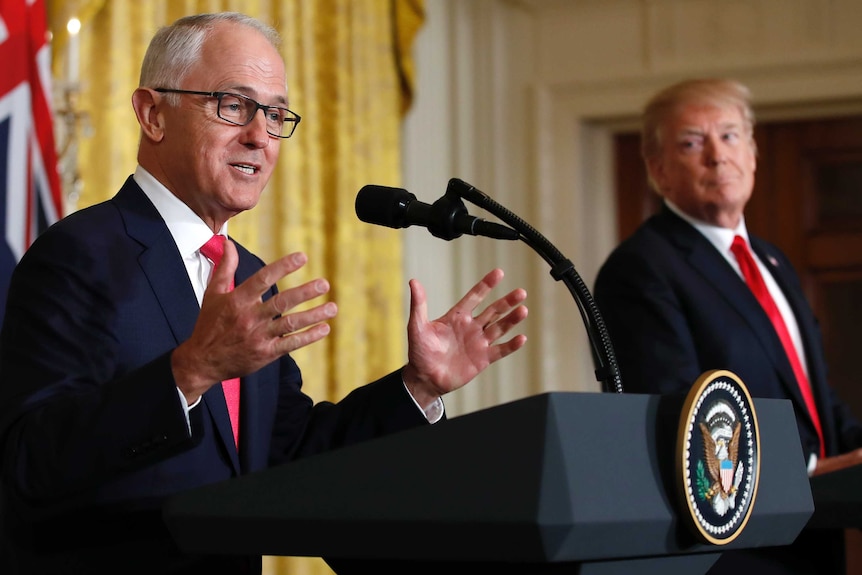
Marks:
<point>239,110</point>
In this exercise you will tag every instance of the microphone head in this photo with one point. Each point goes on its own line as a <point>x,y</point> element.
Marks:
<point>383,206</point>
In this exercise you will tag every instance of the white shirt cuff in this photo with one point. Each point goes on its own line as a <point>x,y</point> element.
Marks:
<point>812,464</point>
<point>434,412</point>
<point>187,408</point>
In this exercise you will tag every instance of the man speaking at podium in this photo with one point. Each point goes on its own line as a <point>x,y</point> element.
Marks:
<point>144,354</point>
<point>693,291</point>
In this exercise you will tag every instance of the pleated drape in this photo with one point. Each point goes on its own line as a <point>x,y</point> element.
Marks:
<point>350,77</point>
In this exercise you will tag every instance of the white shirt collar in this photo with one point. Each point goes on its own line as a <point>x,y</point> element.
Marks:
<point>187,228</point>
<point>721,238</point>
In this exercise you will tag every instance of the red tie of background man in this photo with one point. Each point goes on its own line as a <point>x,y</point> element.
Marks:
<point>214,250</point>
<point>757,285</point>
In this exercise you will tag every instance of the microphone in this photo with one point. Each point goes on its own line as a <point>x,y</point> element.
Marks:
<point>447,218</point>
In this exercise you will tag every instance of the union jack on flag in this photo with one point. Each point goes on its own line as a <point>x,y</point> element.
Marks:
<point>30,197</point>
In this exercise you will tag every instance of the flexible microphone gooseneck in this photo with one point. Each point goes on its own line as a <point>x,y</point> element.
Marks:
<point>562,269</point>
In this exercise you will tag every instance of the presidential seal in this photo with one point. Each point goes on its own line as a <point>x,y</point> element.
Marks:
<point>718,456</point>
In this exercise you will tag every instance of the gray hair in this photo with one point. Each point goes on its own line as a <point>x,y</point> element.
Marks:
<point>176,48</point>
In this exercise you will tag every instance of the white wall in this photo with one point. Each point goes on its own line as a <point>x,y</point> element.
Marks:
<point>521,98</point>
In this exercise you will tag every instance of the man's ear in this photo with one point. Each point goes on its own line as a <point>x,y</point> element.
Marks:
<point>147,104</point>
<point>655,170</point>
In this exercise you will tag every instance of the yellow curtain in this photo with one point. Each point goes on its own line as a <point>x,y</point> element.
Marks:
<point>350,77</point>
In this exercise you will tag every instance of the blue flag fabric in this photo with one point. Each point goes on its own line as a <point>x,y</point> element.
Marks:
<point>30,195</point>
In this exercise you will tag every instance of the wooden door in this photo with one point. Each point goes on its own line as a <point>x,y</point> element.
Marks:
<point>807,200</point>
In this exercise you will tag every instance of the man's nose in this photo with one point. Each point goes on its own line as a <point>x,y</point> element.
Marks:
<point>714,150</point>
<point>255,133</point>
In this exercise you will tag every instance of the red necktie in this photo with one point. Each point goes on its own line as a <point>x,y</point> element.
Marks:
<point>757,285</point>
<point>214,250</point>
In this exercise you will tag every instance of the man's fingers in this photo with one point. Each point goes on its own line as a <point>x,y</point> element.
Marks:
<point>478,292</point>
<point>501,307</point>
<point>286,300</point>
<point>222,277</point>
<point>266,277</point>
<point>294,341</point>
<point>501,350</point>
<point>294,322</point>
<point>418,300</point>
<point>500,327</point>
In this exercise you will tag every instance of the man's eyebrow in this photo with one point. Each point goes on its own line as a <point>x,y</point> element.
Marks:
<point>252,93</point>
<point>697,131</point>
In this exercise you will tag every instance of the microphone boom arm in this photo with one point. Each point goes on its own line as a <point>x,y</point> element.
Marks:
<point>606,368</point>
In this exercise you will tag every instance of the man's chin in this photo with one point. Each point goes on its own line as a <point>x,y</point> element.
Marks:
<point>238,205</point>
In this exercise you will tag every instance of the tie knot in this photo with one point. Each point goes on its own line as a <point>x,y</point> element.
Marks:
<point>740,248</point>
<point>214,248</point>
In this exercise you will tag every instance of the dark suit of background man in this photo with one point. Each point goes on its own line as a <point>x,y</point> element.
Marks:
<point>118,332</point>
<point>676,305</point>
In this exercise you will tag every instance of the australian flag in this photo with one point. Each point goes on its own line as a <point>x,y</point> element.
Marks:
<point>30,198</point>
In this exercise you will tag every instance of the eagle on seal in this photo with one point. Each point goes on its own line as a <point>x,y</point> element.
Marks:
<point>721,452</point>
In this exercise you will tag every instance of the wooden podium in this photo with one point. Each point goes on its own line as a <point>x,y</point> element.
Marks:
<point>555,483</point>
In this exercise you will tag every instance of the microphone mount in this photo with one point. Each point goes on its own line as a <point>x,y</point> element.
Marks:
<point>447,209</point>
<point>446,219</point>
<point>562,269</point>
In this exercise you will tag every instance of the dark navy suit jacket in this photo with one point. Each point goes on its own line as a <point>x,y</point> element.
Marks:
<point>93,434</point>
<point>674,309</point>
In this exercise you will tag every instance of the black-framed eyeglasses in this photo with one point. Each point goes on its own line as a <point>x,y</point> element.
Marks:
<point>240,110</point>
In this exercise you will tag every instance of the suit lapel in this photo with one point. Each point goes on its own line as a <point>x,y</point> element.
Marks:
<point>159,260</point>
<point>705,260</point>
<point>799,306</point>
<point>258,392</point>
<point>214,402</point>
<point>162,264</point>
<point>255,427</point>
